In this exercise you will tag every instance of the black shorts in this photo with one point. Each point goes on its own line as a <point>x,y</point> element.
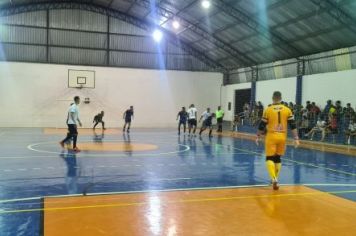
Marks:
<point>72,129</point>
<point>219,120</point>
<point>207,124</point>
<point>192,122</point>
<point>182,122</point>
<point>127,120</point>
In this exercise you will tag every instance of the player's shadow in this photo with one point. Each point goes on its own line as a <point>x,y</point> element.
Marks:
<point>98,137</point>
<point>127,147</point>
<point>73,171</point>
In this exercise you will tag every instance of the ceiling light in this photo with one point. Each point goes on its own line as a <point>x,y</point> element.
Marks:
<point>205,4</point>
<point>157,35</point>
<point>176,24</point>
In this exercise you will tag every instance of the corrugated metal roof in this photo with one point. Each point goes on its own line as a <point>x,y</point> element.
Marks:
<point>262,30</point>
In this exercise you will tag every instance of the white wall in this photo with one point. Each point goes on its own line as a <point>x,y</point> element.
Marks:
<point>228,95</point>
<point>265,89</point>
<point>335,86</point>
<point>36,95</point>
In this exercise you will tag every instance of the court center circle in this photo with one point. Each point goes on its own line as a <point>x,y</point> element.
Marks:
<point>36,147</point>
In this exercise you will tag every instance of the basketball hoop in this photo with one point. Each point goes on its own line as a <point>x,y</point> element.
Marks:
<point>80,86</point>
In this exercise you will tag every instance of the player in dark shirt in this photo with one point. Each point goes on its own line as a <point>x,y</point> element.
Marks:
<point>99,119</point>
<point>183,117</point>
<point>128,116</point>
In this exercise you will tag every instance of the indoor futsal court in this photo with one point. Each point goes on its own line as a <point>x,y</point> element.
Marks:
<point>177,117</point>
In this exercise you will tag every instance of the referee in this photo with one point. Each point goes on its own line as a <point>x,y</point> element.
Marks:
<point>219,114</point>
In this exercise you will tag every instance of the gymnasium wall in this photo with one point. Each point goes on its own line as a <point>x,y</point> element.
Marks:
<point>265,89</point>
<point>317,87</point>
<point>335,86</point>
<point>36,95</point>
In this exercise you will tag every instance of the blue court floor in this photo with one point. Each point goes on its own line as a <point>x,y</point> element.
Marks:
<point>33,165</point>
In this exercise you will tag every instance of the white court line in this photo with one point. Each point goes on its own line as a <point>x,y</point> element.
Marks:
<point>169,190</point>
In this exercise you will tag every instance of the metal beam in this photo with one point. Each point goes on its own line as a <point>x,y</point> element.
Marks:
<point>244,18</point>
<point>214,65</point>
<point>243,59</point>
<point>335,11</point>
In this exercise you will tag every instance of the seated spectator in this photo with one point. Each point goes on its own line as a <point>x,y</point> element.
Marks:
<point>319,127</point>
<point>304,126</point>
<point>236,123</point>
<point>332,125</point>
<point>350,132</point>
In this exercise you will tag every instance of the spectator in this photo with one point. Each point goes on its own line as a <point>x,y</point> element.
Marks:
<point>332,126</point>
<point>308,106</point>
<point>349,113</point>
<point>350,132</point>
<point>339,113</point>
<point>246,112</point>
<point>319,127</point>
<point>236,123</point>
<point>304,126</point>
<point>327,109</point>
<point>315,112</point>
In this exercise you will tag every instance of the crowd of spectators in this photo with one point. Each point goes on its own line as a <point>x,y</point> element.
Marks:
<point>333,122</point>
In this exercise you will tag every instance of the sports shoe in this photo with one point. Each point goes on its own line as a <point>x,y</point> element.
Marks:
<point>62,144</point>
<point>275,185</point>
<point>76,149</point>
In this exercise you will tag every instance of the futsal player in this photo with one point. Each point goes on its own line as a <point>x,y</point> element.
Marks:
<point>207,118</point>
<point>182,116</point>
<point>128,116</point>
<point>219,114</point>
<point>72,119</point>
<point>99,119</point>
<point>192,118</point>
<point>274,122</point>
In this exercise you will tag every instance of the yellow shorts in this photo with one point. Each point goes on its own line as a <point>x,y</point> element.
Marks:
<point>275,144</point>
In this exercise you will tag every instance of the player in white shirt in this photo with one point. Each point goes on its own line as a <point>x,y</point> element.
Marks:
<point>207,117</point>
<point>192,118</point>
<point>72,119</point>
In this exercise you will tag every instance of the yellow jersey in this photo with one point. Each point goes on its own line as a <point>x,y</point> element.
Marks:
<point>277,116</point>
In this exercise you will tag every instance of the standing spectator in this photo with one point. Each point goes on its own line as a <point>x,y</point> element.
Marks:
<point>315,112</point>
<point>339,112</point>
<point>308,106</point>
<point>327,109</point>
<point>332,126</point>
<point>349,113</point>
